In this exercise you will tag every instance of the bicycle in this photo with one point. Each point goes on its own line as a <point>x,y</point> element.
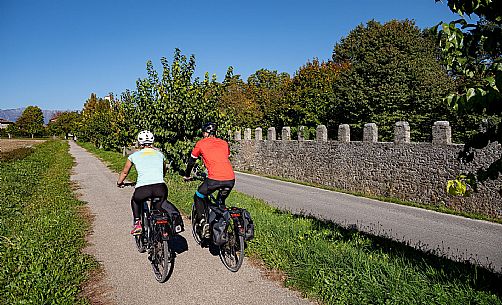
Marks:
<point>156,232</point>
<point>231,252</point>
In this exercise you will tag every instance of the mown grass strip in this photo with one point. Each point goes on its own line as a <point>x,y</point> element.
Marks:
<point>41,232</point>
<point>338,266</point>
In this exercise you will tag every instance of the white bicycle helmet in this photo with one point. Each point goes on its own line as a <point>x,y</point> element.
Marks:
<point>145,137</point>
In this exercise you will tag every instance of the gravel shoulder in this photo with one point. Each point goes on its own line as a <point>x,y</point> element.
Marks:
<point>198,277</point>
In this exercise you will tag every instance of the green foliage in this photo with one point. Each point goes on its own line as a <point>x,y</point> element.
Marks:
<point>31,121</point>
<point>268,89</point>
<point>63,123</point>
<point>102,123</point>
<point>41,236</point>
<point>311,93</point>
<point>393,75</point>
<point>13,130</point>
<point>472,54</point>
<point>236,102</point>
<point>175,106</point>
<point>458,186</point>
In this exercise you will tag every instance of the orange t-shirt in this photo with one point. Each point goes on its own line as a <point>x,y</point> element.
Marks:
<point>215,153</point>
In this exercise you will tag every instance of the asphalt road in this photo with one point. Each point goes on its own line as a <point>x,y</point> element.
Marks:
<point>198,277</point>
<point>452,236</point>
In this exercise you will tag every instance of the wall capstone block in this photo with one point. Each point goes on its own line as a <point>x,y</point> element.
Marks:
<point>237,135</point>
<point>247,134</point>
<point>301,130</point>
<point>271,134</point>
<point>258,134</point>
<point>321,133</point>
<point>441,132</point>
<point>344,133</point>
<point>402,132</point>
<point>370,133</point>
<point>286,133</point>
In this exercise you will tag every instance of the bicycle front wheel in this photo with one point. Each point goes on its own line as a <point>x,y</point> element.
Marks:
<point>140,243</point>
<point>162,260</point>
<point>196,228</point>
<point>141,238</point>
<point>232,252</point>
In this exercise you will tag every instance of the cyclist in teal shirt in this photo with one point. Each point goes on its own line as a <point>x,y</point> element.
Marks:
<point>151,167</point>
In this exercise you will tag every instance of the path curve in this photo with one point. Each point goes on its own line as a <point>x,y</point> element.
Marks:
<point>198,277</point>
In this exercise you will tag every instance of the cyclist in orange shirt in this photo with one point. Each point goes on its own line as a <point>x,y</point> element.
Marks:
<point>215,153</point>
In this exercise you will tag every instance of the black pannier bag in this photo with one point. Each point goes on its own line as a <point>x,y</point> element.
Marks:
<point>175,215</point>
<point>219,220</point>
<point>248,225</point>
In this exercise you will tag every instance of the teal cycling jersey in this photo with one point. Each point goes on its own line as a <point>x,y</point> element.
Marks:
<point>149,164</point>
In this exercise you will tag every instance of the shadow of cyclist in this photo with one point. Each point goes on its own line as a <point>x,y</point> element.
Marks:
<point>178,244</point>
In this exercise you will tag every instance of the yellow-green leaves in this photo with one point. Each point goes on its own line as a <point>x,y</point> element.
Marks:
<point>459,186</point>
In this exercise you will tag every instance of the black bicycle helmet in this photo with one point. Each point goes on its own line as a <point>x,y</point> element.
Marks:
<point>210,128</point>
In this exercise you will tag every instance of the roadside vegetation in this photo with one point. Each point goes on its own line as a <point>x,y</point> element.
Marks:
<point>338,266</point>
<point>41,230</point>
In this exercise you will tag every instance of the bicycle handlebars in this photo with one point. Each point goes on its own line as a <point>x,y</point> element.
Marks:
<point>124,184</point>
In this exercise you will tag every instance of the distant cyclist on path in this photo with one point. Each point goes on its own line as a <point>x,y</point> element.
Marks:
<point>215,154</point>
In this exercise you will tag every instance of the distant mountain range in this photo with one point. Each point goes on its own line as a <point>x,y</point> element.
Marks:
<point>13,114</point>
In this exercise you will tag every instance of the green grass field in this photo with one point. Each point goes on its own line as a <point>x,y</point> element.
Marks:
<point>338,266</point>
<point>41,230</point>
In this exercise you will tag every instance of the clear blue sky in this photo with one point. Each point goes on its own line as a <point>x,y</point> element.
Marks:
<point>53,54</point>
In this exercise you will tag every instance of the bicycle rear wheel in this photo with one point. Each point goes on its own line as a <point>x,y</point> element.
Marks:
<point>162,260</point>
<point>232,252</point>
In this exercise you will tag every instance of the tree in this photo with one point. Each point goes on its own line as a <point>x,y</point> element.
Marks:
<point>393,74</point>
<point>472,53</point>
<point>31,120</point>
<point>236,103</point>
<point>311,92</point>
<point>63,123</point>
<point>174,106</point>
<point>96,123</point>
<point>268,89</point>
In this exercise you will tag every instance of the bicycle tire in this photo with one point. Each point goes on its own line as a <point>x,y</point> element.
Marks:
<point>196,230</point>
<point>162,260</point>
<point>140,244</point>
<point>232,252</point>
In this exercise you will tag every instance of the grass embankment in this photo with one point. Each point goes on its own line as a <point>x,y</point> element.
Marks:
<point>41,232</point>
<point>337,266</point>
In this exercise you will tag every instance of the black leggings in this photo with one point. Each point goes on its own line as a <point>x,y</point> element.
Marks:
<point>207,187</point>
<point>144,192</point>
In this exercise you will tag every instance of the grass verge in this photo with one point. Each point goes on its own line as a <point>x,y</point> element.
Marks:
<point>41,232</point>
<point>337,266</point>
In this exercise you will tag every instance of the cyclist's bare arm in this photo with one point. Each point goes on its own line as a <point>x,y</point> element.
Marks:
<point>125,171</point>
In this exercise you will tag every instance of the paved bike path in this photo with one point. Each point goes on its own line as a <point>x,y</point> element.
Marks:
<point>455,237</point>
<point>198,276</point>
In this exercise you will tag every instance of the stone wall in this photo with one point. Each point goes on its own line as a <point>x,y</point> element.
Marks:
<point>400,169</point>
